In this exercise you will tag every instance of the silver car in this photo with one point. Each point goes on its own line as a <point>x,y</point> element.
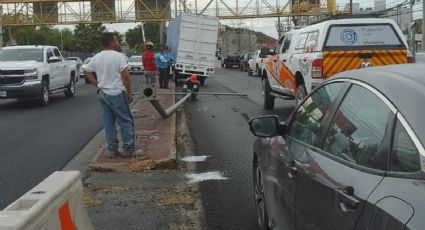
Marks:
<point>136,65</point>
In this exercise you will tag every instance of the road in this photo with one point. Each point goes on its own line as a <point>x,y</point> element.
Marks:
<point>218,126</point>
<point>36,141</point>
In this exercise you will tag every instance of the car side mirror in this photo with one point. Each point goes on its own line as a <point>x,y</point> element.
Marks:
<point>266,126</point>
<point>53,59</point>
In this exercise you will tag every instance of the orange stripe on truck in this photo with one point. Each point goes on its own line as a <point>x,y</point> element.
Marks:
<point>338,61</point>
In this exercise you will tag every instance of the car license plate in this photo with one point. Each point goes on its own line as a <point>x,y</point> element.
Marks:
<point>3,94</point>
<point>136,68</point>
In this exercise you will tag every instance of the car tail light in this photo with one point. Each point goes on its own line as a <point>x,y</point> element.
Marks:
<point>317,68</point>
<point>210,69</point>
<point>410,59</point>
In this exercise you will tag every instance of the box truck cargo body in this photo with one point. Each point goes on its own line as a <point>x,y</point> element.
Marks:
<point>234,45</point>
<point>192,40</point>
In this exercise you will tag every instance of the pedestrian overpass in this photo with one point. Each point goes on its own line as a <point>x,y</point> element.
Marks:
<point>66,12</point>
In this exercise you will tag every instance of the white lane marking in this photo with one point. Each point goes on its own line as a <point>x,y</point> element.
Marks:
<point>195,178</point>
<point>195,158</point>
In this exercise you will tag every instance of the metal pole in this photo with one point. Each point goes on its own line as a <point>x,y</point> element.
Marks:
<point>166,113</point>
<point>423,25</point>
<point>351,6</point>
<point>1,25</point>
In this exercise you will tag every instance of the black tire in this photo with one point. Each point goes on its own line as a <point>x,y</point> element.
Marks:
<point>268,100</point>
<point>202,81</point>
<point>260,202</point>
<point>241,67</point>
<point>258,72</point>
<point>70,91</point>
<point>44,94</point>
<point>249,71</point>
<point>301,93</point>
<point>222,65</point>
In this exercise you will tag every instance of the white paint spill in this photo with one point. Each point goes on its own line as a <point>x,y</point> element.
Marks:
<point>195,158</point>
<point>195,178</point>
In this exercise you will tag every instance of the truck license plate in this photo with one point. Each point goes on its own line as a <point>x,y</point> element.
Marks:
<point>3,94</point>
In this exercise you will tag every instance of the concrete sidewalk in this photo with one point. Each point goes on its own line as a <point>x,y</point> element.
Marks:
<point>150,190</point>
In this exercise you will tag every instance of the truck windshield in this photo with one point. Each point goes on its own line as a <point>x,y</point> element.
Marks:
<point>135,59</point>
<point>363,36</point>
<point>21,55</point>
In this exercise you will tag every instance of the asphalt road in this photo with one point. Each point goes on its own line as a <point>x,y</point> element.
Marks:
<point>218,126</point>
<point>36,141</point>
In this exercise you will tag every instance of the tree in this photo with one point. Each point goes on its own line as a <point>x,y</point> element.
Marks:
<point>86,37</point>
<point>134,37</point>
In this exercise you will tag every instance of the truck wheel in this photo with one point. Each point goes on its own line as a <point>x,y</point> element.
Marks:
<point>44,94</point>
<point>268,100</point>
<point>301,93</point>
<point>249,71</point>
<point>222,64</point>
<point>70,91</point>
<point>258,72</point>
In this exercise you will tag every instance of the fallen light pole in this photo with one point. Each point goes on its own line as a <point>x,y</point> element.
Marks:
<point>149,94</point>
<point>166,113</point>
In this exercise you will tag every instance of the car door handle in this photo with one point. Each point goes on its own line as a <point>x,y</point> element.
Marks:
<point>347,199</point>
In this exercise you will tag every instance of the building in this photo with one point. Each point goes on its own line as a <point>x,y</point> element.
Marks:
<point>380,5</point>
<point>401,16</point>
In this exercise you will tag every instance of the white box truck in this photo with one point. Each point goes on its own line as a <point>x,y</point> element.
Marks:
<point>235,45</point>
<point>192,40</point>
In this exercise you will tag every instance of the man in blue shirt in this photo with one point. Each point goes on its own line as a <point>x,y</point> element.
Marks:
<point>170,59</point>
<point>162,64</point>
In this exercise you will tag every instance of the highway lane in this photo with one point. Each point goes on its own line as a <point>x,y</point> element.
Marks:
<point>36,141</point>
<point>218,126</point>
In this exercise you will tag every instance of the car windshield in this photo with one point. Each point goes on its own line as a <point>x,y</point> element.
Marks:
<point>87,61</point>
<point>21,55</point>
<point>135,59</point>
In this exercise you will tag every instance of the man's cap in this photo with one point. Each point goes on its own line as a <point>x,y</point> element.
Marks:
<point>149,43</point>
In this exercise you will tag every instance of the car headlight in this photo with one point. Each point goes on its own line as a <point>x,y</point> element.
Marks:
<point>30,74</point>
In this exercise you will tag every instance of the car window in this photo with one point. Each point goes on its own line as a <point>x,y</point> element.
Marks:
<point>312,40</point>
<point>57,53</point>
<point>358,129</point>
<point>301,41</point>
<point>306,123</point>
<point>405,155</point>
<point>287,43</point>
<point>49,53</point>
<point>279,45</point>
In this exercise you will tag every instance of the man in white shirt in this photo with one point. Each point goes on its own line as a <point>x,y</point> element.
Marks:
<point>114,94</point>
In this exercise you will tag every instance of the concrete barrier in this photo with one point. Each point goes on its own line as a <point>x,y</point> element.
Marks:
<point>54,204</point>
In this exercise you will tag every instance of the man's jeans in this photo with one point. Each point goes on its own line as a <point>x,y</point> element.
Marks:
<point>150,77</point>
<point>116,108</point>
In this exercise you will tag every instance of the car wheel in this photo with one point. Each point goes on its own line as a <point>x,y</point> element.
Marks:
<point>301,93</point>
<point>260,203</point>
<point>249,71</point>
<point>44,94</point>
<point>268,100</point>
<point>258,72</point>
<point>70,91</point>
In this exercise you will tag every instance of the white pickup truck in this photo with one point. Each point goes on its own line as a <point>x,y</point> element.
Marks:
<point>35,72</point>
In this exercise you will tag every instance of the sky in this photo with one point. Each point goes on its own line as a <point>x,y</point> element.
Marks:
<point>265,25</point>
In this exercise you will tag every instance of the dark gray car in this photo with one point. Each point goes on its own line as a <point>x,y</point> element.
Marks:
<point>351,156</point>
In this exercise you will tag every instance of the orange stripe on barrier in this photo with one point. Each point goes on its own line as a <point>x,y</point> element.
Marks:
<point>65,218</point>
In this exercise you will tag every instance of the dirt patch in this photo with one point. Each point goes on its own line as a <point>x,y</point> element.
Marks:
<point>113,189</point>
<point>139,164</point>
<point>181,227</point>
<point>91,201</point>
<point>178,197</point>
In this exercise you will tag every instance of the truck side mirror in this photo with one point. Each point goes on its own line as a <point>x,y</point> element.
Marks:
<point>53,59</point>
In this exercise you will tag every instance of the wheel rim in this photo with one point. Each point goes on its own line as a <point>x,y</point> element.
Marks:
<point>73,87</point>
<point>45,94</point>
<point>259,197</point>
